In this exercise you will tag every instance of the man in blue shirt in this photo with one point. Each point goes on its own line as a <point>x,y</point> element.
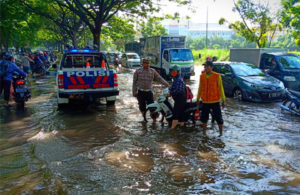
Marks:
<point>7,78</point>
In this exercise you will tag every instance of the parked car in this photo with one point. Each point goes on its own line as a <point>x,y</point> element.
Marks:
<point>131,60</point>
<point>247,82</point>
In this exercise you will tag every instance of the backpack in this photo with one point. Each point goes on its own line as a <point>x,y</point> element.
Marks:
<point>3,67</point>
<point>189,94</point>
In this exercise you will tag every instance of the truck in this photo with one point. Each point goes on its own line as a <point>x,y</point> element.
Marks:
<point>84,74</point>
<point>275,62</point>
<point>168,51</point>
<point>134,47</point>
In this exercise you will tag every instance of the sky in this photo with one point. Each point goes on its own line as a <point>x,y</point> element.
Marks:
<point>216,9</point>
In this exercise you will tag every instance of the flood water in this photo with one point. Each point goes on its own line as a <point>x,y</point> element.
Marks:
<point>109,150</point>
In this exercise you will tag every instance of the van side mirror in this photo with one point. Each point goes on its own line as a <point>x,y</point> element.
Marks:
<point>228,74</point>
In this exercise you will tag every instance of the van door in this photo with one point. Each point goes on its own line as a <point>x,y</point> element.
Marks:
<point>166,62</point>
<point>270,65</point>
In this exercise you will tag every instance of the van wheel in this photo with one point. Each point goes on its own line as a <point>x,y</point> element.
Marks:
<point>238,94</point>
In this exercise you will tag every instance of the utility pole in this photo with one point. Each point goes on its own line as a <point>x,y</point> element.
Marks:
<point>206,40</point>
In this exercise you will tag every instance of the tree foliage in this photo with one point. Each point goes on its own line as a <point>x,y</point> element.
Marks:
<point>290,17</point>
<point>17,26</point>
<point>257,24</point>
<point>152,27</point>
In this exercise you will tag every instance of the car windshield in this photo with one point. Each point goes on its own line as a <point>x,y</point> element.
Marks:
<point>133,56</point>
<point>246,70</point>
<point>289,61</point>
<point>181,55</point>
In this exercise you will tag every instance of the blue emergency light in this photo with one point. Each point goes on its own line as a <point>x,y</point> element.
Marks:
<point>80,50</point>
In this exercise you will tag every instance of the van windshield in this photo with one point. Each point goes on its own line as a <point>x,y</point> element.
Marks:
<point>181,55</point>
<point>289,61</point>
<point>246,70</point>
<point>133,56</point>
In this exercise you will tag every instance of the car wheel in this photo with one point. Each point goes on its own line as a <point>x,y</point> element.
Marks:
<point>238,94</point>
<point>110,103</point>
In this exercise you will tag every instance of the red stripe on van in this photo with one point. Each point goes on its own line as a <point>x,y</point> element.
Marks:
<point>81,81</point>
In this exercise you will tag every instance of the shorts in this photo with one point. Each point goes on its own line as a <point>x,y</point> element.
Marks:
<point>216,112</point>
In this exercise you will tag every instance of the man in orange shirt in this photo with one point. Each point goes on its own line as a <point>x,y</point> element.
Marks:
<point>212,93</point>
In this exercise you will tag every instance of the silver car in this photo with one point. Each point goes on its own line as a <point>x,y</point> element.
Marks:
<point>131,60</point>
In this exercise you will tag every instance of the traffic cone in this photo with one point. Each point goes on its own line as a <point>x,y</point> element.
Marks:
<point>102,64</point>
<point>197,114</point>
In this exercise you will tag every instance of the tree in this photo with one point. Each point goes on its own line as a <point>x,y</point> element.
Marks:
<point>152,27</point>
<point>69,24</point>
<point>95,13</point>
<point>119,31</point>
<point>256,25</point>
<point>290,17</point>
<point>17,26</point>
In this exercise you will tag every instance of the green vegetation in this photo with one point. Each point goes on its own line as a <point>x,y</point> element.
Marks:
<point>290,18</point>
<point>257,25</point>
<point>221,54</point>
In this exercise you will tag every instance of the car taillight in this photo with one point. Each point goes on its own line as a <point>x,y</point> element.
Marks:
<point>60,81</point>
<point>115,80</point>
<point>20,82</point>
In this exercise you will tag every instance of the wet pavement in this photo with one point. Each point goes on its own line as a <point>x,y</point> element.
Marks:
<point>103,149</point>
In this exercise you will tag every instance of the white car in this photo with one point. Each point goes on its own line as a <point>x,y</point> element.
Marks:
<point>131,60</point>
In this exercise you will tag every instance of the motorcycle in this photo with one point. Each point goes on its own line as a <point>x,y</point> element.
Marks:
<point>291,102</point>
<point>21,93</point>
<point>164,107</point>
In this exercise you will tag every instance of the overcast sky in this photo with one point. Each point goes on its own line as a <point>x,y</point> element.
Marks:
<point>216,9</point>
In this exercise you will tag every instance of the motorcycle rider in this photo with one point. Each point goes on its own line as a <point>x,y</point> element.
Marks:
<point>214,58</point>
<point>142,85</point>
<point>25,61</point>
<point>178,93</point>
<point>7,78</point>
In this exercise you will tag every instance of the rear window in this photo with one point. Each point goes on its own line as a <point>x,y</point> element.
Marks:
<point>82,61</point>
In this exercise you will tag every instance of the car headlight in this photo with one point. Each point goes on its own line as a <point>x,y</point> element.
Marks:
<point>253,85</point>
<point>289,78</point>
<point>281,85</point>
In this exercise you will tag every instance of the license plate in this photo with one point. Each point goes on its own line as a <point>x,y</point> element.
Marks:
<point>20,90</point>
<point>273,95</point>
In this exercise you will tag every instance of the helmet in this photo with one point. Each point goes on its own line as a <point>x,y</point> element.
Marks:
<point>214,58</point>
<point>7,56</point>
<point>146,60</point>
<point>176,68</point>
<point>208,63</point>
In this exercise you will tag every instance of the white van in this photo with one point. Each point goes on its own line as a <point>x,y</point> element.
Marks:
<point>131,60</point>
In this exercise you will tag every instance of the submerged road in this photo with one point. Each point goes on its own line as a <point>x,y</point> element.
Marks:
<point>109,150</point>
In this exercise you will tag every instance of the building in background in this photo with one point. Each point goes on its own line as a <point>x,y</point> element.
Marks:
<point>196,30</point>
